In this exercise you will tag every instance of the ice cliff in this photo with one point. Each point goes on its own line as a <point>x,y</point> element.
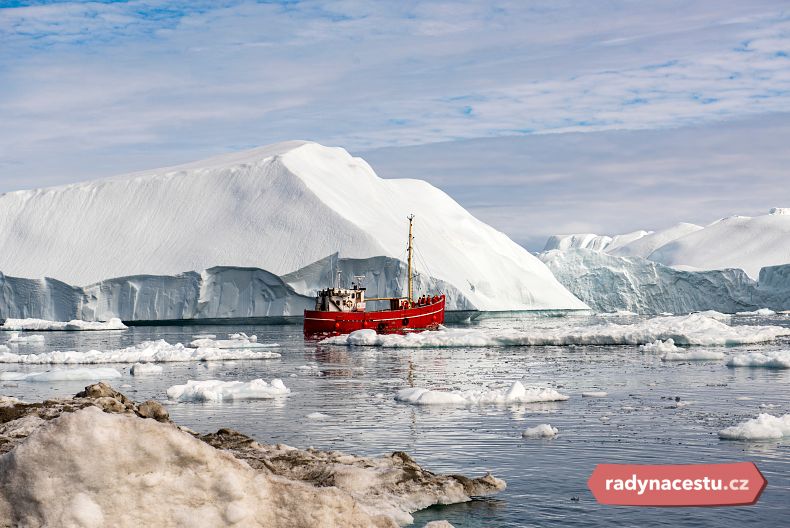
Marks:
<point>221,292</point>
<point>609,283</point>
<point>278,208</point>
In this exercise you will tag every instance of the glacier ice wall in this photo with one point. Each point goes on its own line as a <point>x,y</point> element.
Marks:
<point>382,276</point>
<point>222,292</point>
<point>609,283</point>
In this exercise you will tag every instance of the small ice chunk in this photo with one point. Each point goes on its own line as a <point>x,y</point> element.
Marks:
<point>318,416</point>
<point>761,311</point>
<point>595,394</point>
<point>764,427</point>
<point>540,431</point>
<point>778,359</point>
<point>660,347</point>
<point>693,355</point>
<point>142,369</point>
<point>20,339</point>
<point>217,390</point>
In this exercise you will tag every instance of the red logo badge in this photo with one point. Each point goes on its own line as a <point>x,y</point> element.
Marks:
<point>677,485</point>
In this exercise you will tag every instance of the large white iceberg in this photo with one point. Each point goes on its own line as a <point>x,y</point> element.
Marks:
<point>278,208</point>
<point>608,283</point>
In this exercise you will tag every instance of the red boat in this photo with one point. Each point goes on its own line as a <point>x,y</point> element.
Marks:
<point>342,310</point>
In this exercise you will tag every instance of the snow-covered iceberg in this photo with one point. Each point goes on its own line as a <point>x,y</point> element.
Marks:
<point>609,283</point>
<point>278,208</point>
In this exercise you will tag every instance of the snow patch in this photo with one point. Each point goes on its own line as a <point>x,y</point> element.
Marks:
<point>764,427</point>
<point>516,393</point>
<point>217,390</point>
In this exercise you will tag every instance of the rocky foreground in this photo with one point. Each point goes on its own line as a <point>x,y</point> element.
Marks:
<point>101,459</point>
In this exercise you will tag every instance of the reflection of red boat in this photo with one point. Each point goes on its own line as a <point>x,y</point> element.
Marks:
<point>342,310</point>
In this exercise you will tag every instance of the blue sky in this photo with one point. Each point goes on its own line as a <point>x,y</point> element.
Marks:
<point>90,89</point>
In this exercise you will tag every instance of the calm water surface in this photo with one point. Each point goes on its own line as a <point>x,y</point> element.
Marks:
<point>636,423</point>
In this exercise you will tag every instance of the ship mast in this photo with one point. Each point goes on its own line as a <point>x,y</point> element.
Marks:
<point>411,249</point>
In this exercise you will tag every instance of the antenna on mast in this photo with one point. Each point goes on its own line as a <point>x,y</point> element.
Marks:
<point>410,250</point>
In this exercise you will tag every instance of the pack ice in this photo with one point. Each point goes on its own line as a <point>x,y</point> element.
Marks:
<point>279,208</point>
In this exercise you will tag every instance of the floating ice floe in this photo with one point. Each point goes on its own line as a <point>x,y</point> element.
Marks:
<point>660,347</point>
<point>204,336</point>
<point>618,313</point>
<point>778,359</point>
<point>144,369</point>
<point>517,393</point>
<point>234,341</point>
<point>694,329</point>
<point>318,416</point>
<point>713,314</point>
<point>540,431</point>
<point>761,311</point>
<point>147,352</point>
<point>218,390</point>
<point>81,374</point>
<point>693,355</point>
<point>20,339</point>
<point>764,427</point>
<point>595,394</point>
<point>40,325</point>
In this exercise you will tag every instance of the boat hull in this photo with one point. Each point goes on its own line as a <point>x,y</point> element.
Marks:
<point>425,317</point>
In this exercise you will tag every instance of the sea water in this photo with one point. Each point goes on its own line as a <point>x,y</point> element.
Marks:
<point>342,398</point>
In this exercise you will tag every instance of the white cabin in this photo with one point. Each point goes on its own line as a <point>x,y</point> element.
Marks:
<point>341,300</point>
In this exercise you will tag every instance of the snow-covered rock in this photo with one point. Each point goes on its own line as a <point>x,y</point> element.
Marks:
<point>279,208</point>
<point>165,476</point>
<point>218,390</point>
<point>609,283</point>
<point>694,329</point>
<point>516,393</point>
<point>764,427</point>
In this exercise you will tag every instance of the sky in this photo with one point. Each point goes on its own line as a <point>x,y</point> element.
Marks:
<point>540,117</point>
